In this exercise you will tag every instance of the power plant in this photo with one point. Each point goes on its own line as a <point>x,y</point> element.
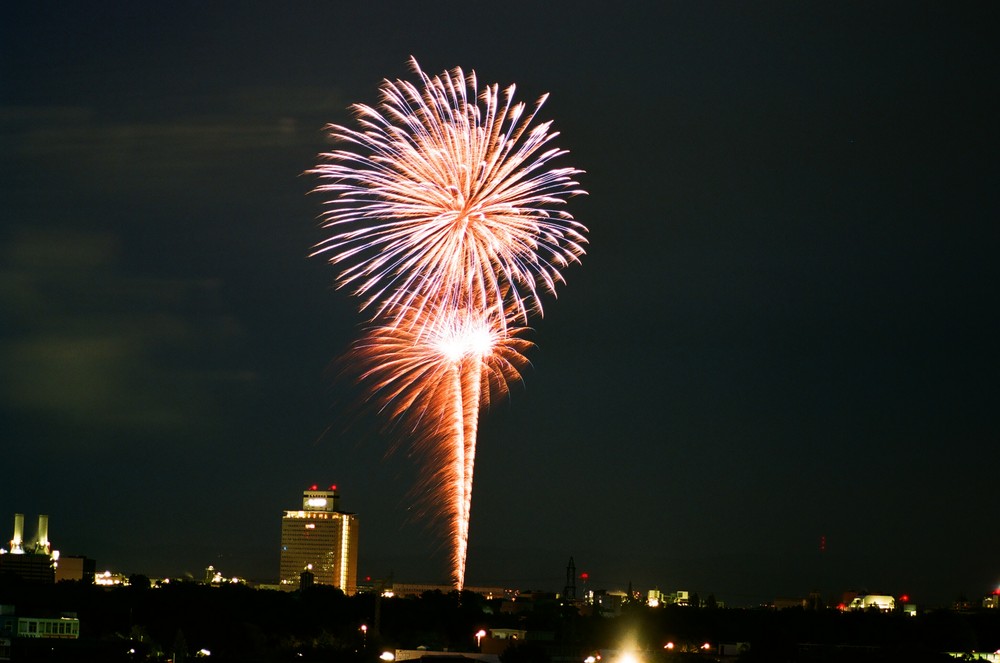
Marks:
<point>38,546</point>
<point>31,559</point>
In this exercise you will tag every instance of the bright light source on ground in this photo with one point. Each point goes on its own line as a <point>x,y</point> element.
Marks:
<point>387,656</point>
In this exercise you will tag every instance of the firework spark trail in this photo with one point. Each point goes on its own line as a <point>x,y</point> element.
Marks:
<point>431,382</point>
<point>471,397</point>
<point>446,220</point>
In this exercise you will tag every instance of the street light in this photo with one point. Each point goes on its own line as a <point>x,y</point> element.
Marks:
<point>364,636</point>
<point>480,634</point>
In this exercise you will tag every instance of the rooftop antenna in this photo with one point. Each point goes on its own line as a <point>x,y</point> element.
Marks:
<point>570,590</point>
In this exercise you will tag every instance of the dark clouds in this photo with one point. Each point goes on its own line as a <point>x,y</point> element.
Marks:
<point>89,348</point>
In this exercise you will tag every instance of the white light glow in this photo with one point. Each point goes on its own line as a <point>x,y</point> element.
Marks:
<point>344,548</point>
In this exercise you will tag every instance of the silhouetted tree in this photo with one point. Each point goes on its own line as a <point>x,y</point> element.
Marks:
<point>139,581</point>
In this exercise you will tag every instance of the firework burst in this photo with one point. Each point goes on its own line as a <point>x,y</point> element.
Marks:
<point>449,195</point>
<point>447,221</point>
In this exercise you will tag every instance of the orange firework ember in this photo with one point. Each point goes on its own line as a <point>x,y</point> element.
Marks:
<point>431,377</point>
<point>447,221</point>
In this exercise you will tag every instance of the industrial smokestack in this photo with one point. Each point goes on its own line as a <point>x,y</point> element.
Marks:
<point>17,543</point>
<point>43,533</point>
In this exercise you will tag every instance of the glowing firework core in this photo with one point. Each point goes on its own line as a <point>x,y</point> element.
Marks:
<point>467,339</point>
<point>447,222</point>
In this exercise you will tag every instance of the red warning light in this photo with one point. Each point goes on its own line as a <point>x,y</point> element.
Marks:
<point>904,598</point>
<point>584,576</point>
<point>333,487</point>
<point>314,487</point>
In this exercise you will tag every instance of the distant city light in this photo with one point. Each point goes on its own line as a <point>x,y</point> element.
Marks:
<point>387,656</point>
<point>109,579</point>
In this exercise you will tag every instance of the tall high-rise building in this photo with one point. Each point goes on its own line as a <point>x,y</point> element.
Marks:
<point>320,539</point>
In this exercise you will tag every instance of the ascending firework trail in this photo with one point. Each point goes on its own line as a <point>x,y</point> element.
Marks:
<point>446,220</point>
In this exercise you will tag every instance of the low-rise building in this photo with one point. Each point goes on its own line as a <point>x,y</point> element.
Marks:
<point>23,636</point>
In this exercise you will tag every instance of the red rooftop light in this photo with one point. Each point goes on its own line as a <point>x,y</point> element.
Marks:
<point>333,487</point>
<point>314,487</point>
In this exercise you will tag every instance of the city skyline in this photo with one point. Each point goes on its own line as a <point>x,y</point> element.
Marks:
<point>329,552</point>
<point>784,334</point>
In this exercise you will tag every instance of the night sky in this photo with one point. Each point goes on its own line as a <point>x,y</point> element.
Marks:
<point>784,329</point>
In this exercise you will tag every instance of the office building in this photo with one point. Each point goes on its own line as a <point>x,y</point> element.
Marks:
<point>76,567</point>
<point>320,540</point>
